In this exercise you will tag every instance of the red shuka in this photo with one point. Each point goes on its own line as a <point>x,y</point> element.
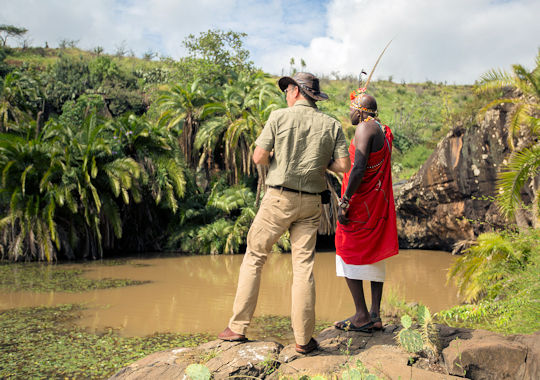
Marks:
<point>371,234</point>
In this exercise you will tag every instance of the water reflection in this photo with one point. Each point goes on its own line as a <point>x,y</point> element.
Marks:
<point>195,294</point>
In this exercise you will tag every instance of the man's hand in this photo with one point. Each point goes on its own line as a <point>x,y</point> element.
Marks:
<point>261,156</point>
<point>342,217</point>
<point>340,165</point>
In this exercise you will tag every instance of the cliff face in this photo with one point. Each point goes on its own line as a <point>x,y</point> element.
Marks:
<point>450,198</point>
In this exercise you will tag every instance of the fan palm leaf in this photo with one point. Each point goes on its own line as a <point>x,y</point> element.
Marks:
<point>521,167</point>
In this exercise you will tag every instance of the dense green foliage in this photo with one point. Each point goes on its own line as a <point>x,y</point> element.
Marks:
<point>44,342</point>
<point>68,188</point>
<point>91,141</point>
<point>84,172</point>
<point>501,272</point>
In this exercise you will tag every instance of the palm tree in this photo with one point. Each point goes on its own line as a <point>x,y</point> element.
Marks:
<point>65,190</point>
<point>522,168</point>
<point>14,97</point>
<point>162,182</point>
<point>524,161</point>
<point>240,112</point>
<point>29,227</point>
<point>180,108</point>
<point>98,176</point>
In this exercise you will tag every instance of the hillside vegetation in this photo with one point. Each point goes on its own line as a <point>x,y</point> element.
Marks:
<point>419,114</point>
<point>90,141</point>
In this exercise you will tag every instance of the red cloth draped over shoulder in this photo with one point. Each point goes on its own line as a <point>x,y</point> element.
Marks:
<point>371,234</point>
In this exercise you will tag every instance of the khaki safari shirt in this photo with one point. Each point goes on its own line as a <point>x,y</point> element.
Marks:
<point>304,141</point>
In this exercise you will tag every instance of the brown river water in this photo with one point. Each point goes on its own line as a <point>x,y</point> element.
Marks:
<point>195,293</point>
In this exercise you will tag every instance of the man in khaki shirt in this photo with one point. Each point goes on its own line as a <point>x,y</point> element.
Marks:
<point>305,142</point>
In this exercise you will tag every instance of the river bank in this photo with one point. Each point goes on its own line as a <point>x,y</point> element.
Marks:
<point>90,320</point>
<point>474,354</point>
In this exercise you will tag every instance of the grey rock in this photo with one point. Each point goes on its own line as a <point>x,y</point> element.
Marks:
<point>313,365</point>
<point>252,359</point>
<point>487,355</point>
<point>481,354</point>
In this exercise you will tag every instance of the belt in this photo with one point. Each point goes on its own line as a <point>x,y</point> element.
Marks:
<point>292,190</point>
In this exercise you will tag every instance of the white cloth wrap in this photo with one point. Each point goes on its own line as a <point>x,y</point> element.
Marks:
<point>369,272</point>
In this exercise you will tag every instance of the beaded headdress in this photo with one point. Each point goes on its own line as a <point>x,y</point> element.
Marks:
<point>356,100</point>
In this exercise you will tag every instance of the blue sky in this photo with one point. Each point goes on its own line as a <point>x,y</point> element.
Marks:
<point>444,41</point>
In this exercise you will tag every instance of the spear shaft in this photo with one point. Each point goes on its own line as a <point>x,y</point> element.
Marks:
<point>376,63</point>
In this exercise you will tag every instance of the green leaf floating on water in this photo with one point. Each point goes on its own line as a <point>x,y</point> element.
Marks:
<point>198,372</point>
<point>406,321</point>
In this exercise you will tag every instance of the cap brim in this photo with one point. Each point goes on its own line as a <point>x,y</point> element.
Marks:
<point>319,96</point>
<point>284,82</point>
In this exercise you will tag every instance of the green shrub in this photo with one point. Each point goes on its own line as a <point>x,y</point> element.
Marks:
<point>501,274</point>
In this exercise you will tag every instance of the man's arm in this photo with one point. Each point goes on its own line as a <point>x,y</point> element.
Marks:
<point>261,156</point>
<point>342,165</point>
<point>362,141</point>
<point>363,137</point>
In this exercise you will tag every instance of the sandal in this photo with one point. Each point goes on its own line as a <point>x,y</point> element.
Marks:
<point>347,325</point>
<point>376,320</point>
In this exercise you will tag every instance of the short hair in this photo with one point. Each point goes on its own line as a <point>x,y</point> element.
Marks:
<point>304,94</point>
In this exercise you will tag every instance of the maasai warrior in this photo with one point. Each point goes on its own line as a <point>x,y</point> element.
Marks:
<point>366,232</point>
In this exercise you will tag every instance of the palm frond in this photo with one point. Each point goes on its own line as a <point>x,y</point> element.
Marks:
<point>494,80</point>
<point>521,167</point>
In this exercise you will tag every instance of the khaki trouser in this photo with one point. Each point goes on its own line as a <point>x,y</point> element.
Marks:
<point>281,210</point>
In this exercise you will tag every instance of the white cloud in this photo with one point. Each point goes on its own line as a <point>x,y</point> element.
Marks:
<point>454,41</point>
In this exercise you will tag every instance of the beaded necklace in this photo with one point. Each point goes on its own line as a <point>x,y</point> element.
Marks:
<point>368,119</point>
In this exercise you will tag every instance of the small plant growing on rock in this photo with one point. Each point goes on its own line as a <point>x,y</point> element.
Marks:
<point>270,364</point>
<point>422,338</point>
<point>358,372</point>
<point>198,372</point>
<point>427,330</point>
<point>408,338</point>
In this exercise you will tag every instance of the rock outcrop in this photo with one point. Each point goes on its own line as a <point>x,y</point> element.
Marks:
<point>487,355</point>
<point>450,199</point>
<point>476,354</point>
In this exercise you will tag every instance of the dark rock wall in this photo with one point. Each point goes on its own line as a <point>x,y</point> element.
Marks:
<point>449,200</point>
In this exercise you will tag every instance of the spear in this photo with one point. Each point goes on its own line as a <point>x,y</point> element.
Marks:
<point>374,66</point>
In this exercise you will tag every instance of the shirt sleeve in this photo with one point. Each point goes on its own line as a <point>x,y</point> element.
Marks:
<point>340,148</point>
<point>267,137</point>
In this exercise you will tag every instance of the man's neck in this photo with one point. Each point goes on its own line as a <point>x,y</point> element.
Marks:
<point>305,102</point>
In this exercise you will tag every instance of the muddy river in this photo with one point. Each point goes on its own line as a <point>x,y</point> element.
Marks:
<point>195,293</point>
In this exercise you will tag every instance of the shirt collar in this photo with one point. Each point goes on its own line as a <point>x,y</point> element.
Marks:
<point>305,103</point>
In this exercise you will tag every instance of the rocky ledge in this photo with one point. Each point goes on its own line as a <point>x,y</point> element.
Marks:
<point>450,200</point>
<point>473,354</point>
